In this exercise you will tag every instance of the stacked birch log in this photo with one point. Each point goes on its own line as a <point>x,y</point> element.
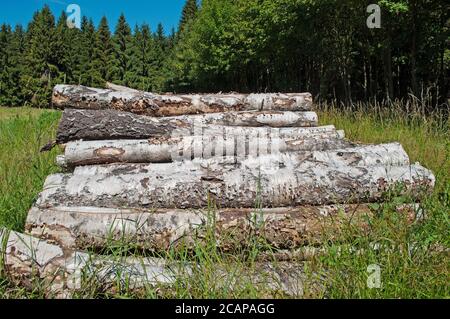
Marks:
<point>162,171</point>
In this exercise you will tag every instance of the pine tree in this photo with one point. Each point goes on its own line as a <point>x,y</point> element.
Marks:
<point>122,51</point>
<point>103,54</point>
<point>188,14</point>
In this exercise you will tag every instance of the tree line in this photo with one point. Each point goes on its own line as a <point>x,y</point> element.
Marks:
<point>321,46</point>
<point>48,52</point>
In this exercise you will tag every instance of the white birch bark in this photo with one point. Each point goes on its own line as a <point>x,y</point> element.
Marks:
<point>145,103</point>
<point>159,230</point>
<point>164,150</point>
<point>62,272</point>
<point>316,178</point>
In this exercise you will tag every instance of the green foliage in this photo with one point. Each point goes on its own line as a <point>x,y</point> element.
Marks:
<point>40,60</point>
<point>11,53</point>
<point>320,46</point>
<point>82,44</point>
<point>144,60</point>
<point>102,55</point>
<point>188,14</point>
<point>122,52</point>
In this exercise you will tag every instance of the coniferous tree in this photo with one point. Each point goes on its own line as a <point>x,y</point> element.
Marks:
<point>142,59</point>
<point>40,63</point>
<point>188,14</point>
<point>62,49</point>
<point>86,49</point>
<point>160,56</point>
<point>159,36</point>
<point>103,55</point>
<point>322,46</point>
<point>15,51</point>
<point>5,40</point>
<point>122,51</point>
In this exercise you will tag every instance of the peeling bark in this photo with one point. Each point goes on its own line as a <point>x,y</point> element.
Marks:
<point>110,124</point>
<point>311,178</point>
<point>165,150</point>
<point>73,96</point>
<point>27,259</point>
<point>231,229</point>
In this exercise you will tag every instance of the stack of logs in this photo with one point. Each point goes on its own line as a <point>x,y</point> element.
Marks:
<point>161,171</point>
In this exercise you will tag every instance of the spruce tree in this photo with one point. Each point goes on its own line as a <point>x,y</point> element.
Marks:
<point>86,49</point>
<point>15,51</point>
<point>62,48</point>
<point>122,51</point>
<point>5,39</point>
<point>160,56</point>
<point>142,59</point>
<point>160,38</point>
<point>189,13</point>
<point>103,55</point>
<point>40,63</point>
<point>132,77</point>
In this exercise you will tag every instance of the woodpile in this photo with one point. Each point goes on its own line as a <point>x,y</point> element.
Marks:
<point>169,171</point>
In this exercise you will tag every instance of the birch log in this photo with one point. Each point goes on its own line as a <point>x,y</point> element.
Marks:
<point>109,124</point>
<point>29,261</point>
<point>162,150</point>
<point>270,181</point>
<point>231,229</point>
<point>76,96</point>
<point>165,150</point>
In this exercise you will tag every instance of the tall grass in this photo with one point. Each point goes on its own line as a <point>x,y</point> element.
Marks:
<point>413,259</point>
<point>22,168</point>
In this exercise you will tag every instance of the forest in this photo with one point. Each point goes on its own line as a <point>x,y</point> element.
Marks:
<point>97,198</point>
<point>321,46</point>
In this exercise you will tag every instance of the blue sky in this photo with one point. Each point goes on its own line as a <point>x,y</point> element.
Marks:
<point>167,12</point>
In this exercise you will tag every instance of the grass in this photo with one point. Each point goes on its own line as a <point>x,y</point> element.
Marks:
<point>413,259</point>
<point>22,168</point>
<point>417,263</point>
